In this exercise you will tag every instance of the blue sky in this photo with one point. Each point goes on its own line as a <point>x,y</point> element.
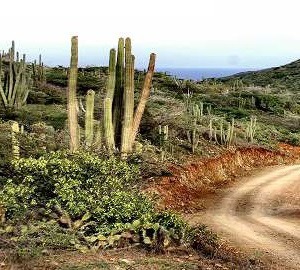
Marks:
<point>190,33</point>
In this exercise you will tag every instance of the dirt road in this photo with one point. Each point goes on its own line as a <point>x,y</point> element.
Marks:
<point>245,218</point>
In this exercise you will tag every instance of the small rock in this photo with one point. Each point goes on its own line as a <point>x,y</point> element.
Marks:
<point>45,252</point>
<point>126,261</point>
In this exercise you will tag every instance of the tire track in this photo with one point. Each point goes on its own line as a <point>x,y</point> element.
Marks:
<point>244,217</point>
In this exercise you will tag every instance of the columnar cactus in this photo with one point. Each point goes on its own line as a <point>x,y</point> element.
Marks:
<point>126,146</point>
<point>89,118</point>
<point>230,132</point>
<point>119,92</point>
<point>163,139</point>
<point>72,99</point>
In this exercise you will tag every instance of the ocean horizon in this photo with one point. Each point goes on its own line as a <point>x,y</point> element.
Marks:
<point>199,74</point>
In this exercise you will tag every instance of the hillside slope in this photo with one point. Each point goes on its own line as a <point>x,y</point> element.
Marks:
<point>283,77</point>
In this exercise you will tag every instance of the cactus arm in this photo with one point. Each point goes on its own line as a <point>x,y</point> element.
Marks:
<point>144,97</point>
<point>10,78</point>
<point>108,125</point>
<point>3,96</point>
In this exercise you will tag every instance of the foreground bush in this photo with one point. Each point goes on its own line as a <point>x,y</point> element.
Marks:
<point>78,184</point>
<point>94,199</point>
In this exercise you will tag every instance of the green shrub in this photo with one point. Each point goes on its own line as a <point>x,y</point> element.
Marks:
<point>172,222</point>
<point>77,183</point>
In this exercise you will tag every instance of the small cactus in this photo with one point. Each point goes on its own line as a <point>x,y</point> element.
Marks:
<point>89,118</point>
<point>14,141</point>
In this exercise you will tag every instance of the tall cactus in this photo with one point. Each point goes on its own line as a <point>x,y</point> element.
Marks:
<point>72,100</point>
<point>89,118</point>
<point>126,136</point>
<point>119,93</point>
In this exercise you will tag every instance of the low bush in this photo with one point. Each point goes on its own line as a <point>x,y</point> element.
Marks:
<point>81,196</point>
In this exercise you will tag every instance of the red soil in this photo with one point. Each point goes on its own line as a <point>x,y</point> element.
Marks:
<point>189,184</point>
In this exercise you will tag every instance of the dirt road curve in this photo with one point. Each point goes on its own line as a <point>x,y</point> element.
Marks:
<point>244,217</point>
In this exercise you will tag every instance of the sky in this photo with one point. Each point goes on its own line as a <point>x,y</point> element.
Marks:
<point>183,33</point>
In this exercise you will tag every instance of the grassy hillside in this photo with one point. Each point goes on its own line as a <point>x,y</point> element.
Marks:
<point>286,77</point>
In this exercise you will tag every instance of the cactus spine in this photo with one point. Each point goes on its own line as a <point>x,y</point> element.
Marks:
<point>72,100</point>
<point>89,118</point>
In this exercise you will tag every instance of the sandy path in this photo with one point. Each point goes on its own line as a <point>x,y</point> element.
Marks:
<point>244,217</point>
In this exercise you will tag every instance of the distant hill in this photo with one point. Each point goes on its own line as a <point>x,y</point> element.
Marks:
<point>284,77</point>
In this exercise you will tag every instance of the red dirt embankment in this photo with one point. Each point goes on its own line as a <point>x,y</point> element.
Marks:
<point>187,187</point>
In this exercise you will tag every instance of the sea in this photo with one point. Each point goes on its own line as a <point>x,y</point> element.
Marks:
<point>199,74</point>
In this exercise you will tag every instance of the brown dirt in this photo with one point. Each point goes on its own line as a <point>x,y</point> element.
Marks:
<point>244,217</point>
<point>134,259</point>
<point>192,187</point>
<point>243,211</point>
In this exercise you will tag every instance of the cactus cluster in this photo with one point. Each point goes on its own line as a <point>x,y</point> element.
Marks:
<point>38,71</point>
<point>225,135</point>
<point>15,81</point>
<point>121,122</point>
<point>251,129</point>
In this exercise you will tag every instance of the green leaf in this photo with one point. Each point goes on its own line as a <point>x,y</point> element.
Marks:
<point>101,237</point>
<point>86,216</point>
<point>136,223</point>
<point>9,229</point>
<point>147,241</point>
<point>91,239</point>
